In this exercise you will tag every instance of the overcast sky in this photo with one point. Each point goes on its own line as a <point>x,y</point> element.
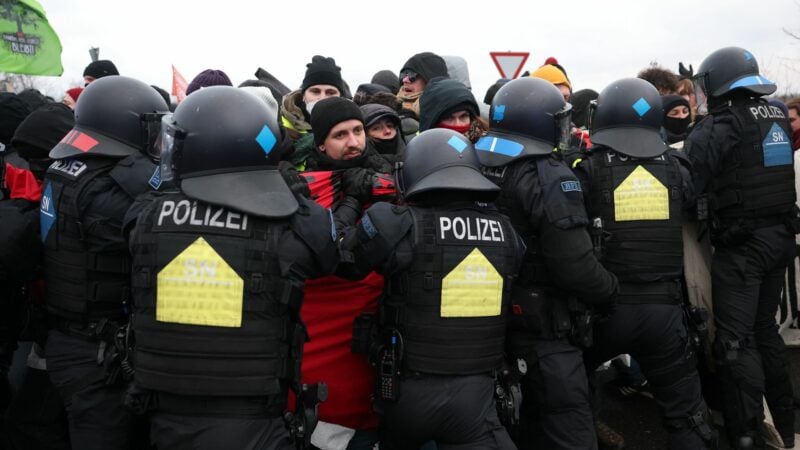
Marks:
<point>597,42</point>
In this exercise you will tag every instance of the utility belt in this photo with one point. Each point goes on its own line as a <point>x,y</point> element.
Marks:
<point>113,353</point>
<point>735,231</point>
<point>101,330</point>
<point>537,314</point>
<point>659,292</point>
<point>146,401</point>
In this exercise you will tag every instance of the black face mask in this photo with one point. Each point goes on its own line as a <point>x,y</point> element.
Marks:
<point>386,147</point>
<point>677,126</point>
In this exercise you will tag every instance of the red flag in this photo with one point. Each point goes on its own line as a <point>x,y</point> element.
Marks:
<point>179,85</point>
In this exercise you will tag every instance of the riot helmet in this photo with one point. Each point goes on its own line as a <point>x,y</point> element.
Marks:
<point>441,159</point>
<point>115,116</point>
<point>627,118</point>
<point>221,146</point>
<point>726,70</point>
<point>528,117</point>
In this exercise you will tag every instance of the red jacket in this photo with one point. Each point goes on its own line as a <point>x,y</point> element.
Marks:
<point>330,306</point>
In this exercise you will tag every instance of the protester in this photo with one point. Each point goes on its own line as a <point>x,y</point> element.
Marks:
<point>98,69</point>
<point>447,103</point>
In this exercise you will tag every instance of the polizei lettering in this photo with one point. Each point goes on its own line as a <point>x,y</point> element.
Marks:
<point>470,229</point>
<point>766,112</point>
<point>610,156</point>
<point>70,167</point>
<point>190,213</point>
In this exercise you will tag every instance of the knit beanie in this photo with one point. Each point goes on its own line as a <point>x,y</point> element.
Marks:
<point>323,70</point>
<point>427,65</point>
<point>552,74</point>
<point>386,78</point>
<point>328,113</point>
<point>671,100</point>
<point>100,68</point>
<point>580,101</point>
<point>42,130</point>
<point>74,93</point>
<point>208,77</point>
<point>13,110</point>
<point>492,91</point>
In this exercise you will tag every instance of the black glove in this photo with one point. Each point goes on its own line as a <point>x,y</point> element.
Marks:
<point>357,183</point>
<point>297,183</point>
<point>346,213</point>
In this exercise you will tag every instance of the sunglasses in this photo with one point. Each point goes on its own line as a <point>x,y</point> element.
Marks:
<point>412,76</point>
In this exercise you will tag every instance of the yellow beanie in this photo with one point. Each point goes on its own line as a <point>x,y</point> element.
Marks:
<point>552,74</point>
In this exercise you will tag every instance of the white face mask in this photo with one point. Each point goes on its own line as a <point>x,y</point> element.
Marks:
<point>310,105</point>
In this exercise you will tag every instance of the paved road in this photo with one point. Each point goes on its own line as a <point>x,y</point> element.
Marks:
<point>636,417</point>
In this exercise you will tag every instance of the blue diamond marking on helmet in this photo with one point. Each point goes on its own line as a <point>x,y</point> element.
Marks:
<point>457,144</point>
<point>747,55</point>
<point>266,139</point>
<point>641,106</point>
<point>499,112</point>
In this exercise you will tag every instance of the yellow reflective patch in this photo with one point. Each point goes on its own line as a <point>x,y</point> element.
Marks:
<point>472,289</point>
<point>199,288</point>
<point>641,197</point>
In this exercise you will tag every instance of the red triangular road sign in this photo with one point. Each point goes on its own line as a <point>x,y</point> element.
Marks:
<point>509,63</point>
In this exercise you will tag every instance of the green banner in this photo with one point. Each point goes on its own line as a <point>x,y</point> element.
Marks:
<point>28,45</point>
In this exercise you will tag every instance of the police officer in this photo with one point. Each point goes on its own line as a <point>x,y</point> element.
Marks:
<point>35,417</point>
<point>636,190</point>
<point>742,159</point>
<point>542,197</point>
<point>449,261</point>
<point>101,166</point>
<point>219,263</point>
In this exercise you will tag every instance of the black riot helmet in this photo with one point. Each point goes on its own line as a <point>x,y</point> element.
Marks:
<point>221,146</point>
<point>726,70</point>
<point>115,116</point>
<point>528,117</point>
<point>627,118</point>
<point>441,159</point>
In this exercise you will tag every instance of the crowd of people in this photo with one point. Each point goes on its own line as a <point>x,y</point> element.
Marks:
<point>402,266</point>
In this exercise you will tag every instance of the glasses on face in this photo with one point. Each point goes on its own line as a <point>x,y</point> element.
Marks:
<point>410,74</point>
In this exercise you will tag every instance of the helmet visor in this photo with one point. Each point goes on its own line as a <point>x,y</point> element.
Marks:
<point>701,94</point>
<point>590,115</point>
<point>563,123</point>
<point>151,130</point>
<point>167,145</point>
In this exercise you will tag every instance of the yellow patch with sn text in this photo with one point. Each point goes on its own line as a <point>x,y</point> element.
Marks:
<point>472,289</point>
<point>641,197</point>
<point>199,288</point>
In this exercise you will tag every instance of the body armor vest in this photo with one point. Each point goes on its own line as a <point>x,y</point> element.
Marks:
<point>213,315</point>
<point>82,284</point>
<point>757,178</point>
<point>451,304</point>
<point>640,204</point>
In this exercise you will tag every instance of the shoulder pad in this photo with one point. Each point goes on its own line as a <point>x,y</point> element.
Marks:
<point>391,222</point>
<point>136,174</point>
<point>562,193</point>
<point>681,158</point>
<point>314,225</point>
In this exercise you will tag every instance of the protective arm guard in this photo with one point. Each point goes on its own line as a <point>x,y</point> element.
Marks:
<point>574,267</point>
<point>370,245</point>
<point>312,226</point>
